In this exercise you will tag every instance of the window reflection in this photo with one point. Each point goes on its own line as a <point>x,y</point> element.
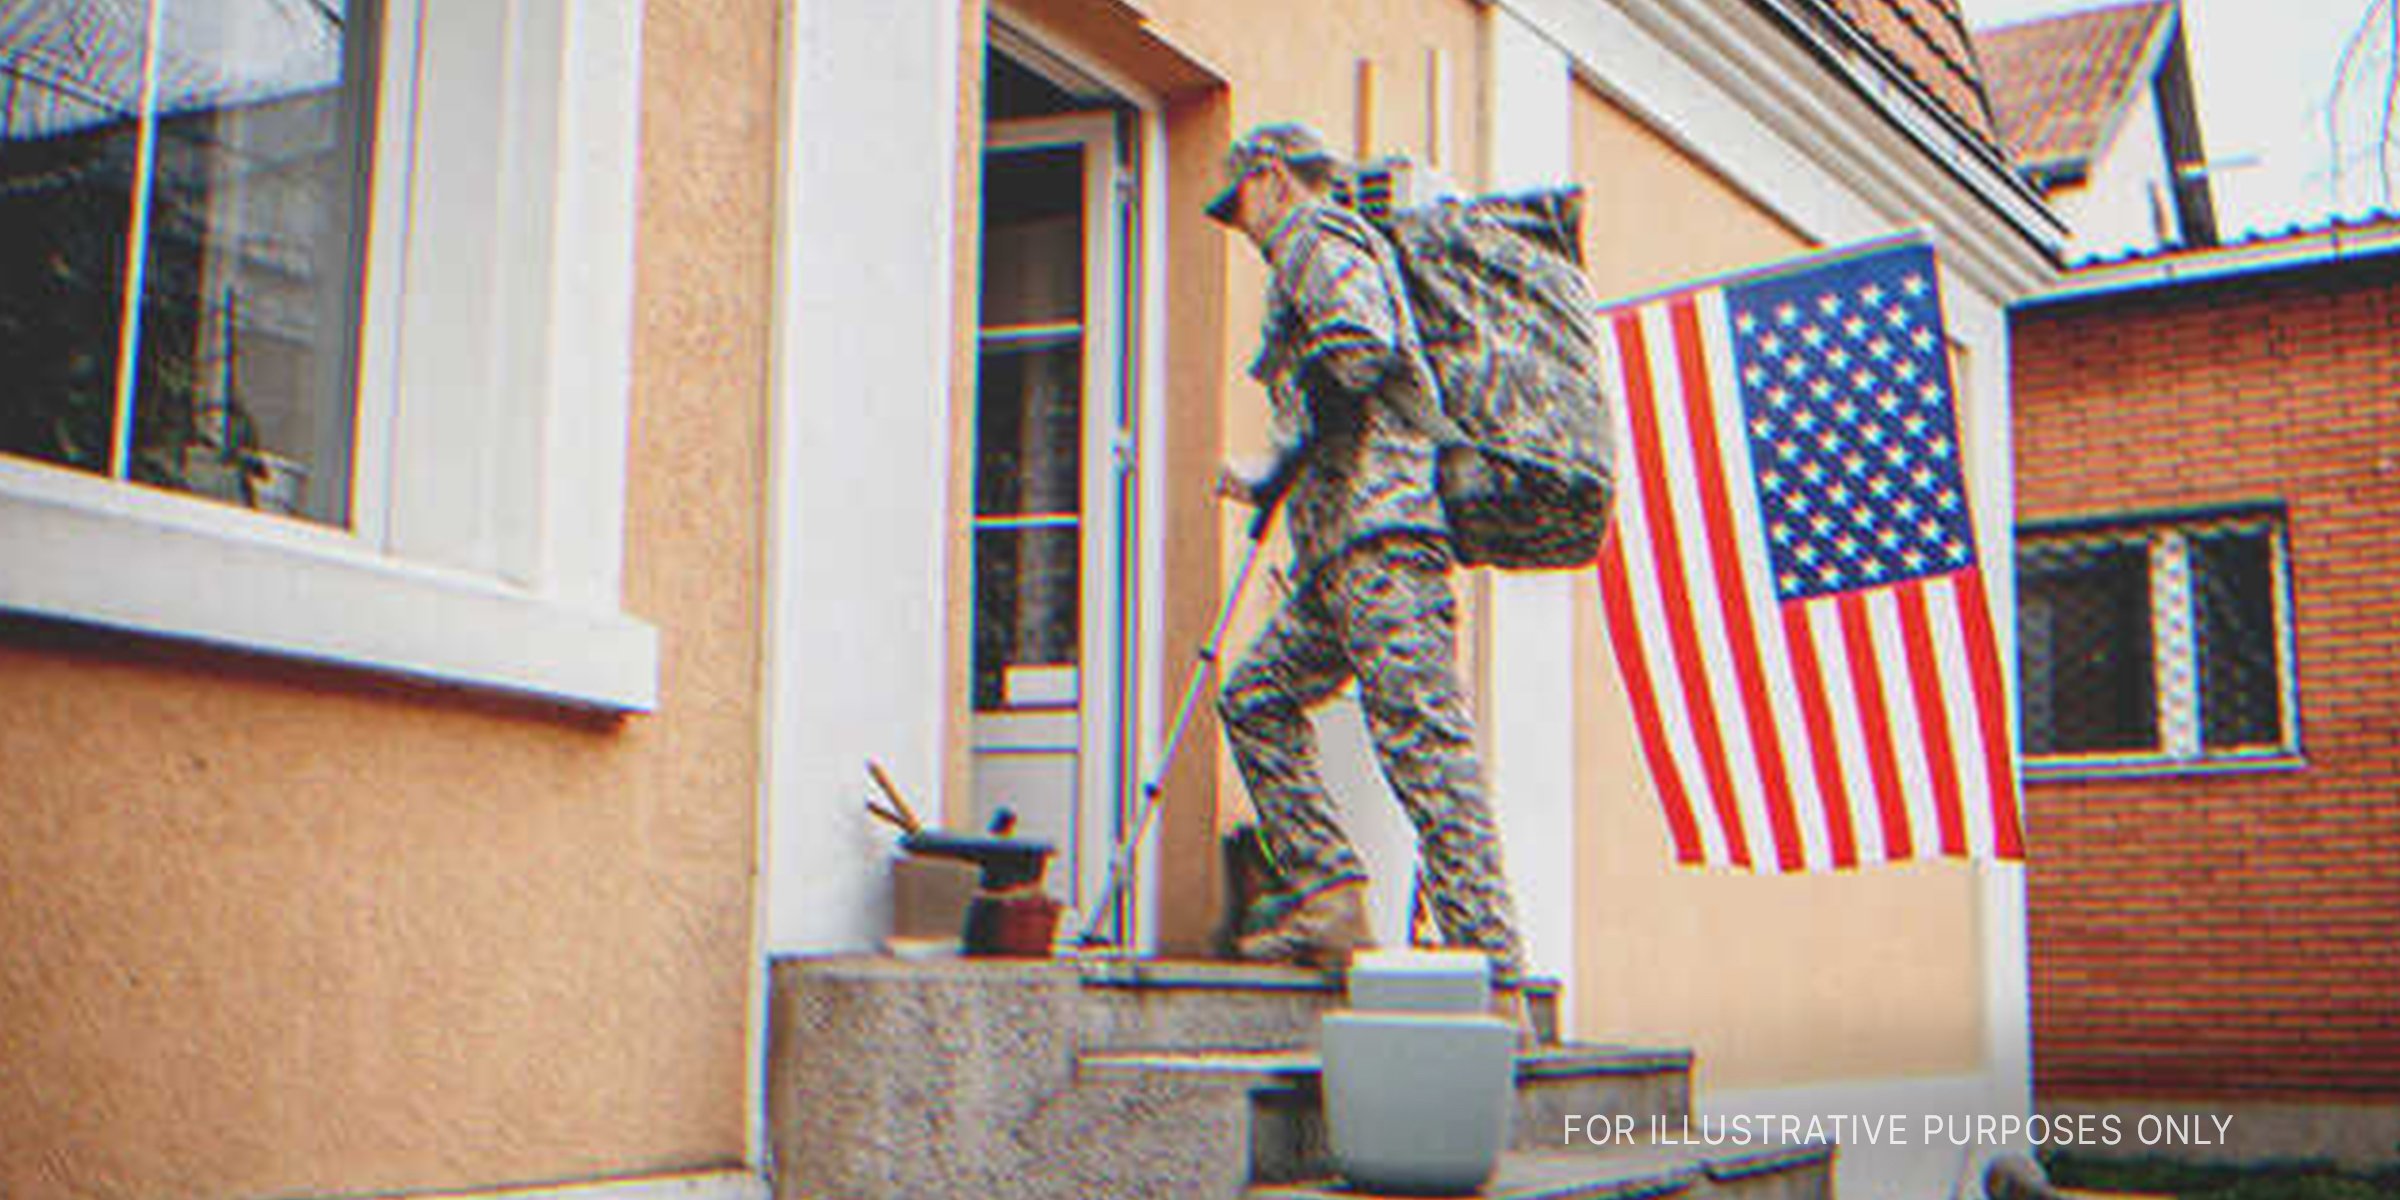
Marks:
<point>207,157</point>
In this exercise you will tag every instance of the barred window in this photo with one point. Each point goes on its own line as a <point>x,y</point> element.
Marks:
<point>2159,643</point>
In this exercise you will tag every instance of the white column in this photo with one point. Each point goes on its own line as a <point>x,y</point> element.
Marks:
<point>1532,703</point>
<point>860,434</point>
<point>1978,321</point>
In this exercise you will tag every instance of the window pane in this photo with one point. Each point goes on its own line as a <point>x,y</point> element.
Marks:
<point>2084,646</point>
<point>2233,588</point>
<point>248,175</point>
<point>1029,431</point>
<point>70,80</point>
<point>250,288</point>
<point>1028,601</point>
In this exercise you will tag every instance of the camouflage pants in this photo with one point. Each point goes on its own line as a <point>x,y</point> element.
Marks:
<point>1382,613</point>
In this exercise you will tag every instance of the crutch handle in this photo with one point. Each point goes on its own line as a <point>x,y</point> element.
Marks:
<point>1261,517</point>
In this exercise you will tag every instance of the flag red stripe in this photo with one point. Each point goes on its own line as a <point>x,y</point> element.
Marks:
<point>1667,552</point>
<point>1866,678</point>
<point>1991,715</point>
<point>1733,590</point>
<point>1933,716</point>
<point>1626,637</point>
<point>1808,678</point>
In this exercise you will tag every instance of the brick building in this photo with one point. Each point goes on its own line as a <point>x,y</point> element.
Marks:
<point>2207,451</point>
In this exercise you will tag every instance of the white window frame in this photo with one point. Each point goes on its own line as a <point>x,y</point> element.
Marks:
<point>2174,651</point>
<point>488,499</point>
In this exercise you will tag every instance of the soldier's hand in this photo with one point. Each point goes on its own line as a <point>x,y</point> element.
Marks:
<point>1238,484</point>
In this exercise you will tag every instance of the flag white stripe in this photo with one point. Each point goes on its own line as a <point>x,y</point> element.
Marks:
<point>1681,505</point>
<point>1742,757</point>
<point>1958,690</point>
<point>1849,733</point>
<point>1651,639</point>
<point>1908,732</point>
<point>1766,613</point>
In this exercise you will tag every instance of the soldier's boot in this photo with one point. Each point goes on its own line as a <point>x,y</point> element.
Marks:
<point>1510,1004</point>
<point>1324,929</point>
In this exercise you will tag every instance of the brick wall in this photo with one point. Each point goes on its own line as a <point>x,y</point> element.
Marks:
<point>2230,935</point>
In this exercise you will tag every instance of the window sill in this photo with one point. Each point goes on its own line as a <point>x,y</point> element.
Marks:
<point>160,565</point>
<point>2063,769</point>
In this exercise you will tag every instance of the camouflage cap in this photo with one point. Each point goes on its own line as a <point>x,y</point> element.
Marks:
<point>1291,142</point>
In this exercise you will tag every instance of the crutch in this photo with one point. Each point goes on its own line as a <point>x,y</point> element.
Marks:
<point>1120,863</point>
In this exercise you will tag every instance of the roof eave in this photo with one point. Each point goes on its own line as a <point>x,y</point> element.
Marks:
<point>1981,165</point>
<point>2336,244</point>
<point>2053,173</point>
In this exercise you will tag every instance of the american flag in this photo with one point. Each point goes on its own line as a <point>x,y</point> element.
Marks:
<point>1792,588</point>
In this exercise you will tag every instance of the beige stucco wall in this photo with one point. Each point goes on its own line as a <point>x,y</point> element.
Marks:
<point>1772,980</point>
<point>275,930</point>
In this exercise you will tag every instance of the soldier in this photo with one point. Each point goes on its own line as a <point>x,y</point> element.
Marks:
<point>1371,561</point>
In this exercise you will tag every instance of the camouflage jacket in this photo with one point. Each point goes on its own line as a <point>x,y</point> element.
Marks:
<point>1336,347</point>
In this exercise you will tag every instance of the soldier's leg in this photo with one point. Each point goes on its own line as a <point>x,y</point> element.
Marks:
<point>1399,629</point>
<point>1293,666</point>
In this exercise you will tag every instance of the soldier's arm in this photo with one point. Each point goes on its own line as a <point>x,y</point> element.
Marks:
<point>1288,443</point>
<point>1290,425</point>
<point>1350,332</point>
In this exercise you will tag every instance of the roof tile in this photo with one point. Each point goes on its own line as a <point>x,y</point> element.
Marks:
<point>2056,82</point>
<point>1928,39</point>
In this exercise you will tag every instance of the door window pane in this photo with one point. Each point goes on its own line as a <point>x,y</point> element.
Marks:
<point>213,155</point>
<point>1033,237</point>
<point>1029,430</point>
<point>1028,601</point>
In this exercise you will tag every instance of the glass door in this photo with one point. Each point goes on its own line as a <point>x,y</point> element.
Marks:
<point>1050,488</point>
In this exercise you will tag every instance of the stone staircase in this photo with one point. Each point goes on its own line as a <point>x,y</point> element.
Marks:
<point>1101,1079</point>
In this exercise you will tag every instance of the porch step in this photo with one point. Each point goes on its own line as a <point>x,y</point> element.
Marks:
<point>1103,1079</point>
<point>1284,1090</point>
<point>1801,1172</point>
<point>1166,1004</point>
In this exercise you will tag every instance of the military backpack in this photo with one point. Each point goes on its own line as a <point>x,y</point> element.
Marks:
<point>1509,325</point>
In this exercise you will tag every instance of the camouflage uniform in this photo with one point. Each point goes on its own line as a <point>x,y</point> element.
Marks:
<point>1372,601</point>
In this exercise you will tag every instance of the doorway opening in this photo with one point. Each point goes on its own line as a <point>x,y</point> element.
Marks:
<point>1056,480</point>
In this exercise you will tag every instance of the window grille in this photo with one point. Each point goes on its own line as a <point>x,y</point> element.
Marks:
<point>2155,643</point>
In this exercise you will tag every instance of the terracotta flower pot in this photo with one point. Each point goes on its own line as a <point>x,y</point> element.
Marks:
<point>1012,925</point>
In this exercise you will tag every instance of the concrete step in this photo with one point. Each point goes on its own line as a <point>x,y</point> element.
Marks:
<point>1170,1004</point>
<point>1803,1172</point>
<point>890,1079</point>
<point>1285,1105</point>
